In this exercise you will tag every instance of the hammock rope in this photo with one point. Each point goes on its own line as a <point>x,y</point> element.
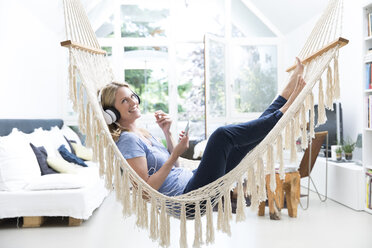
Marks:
<point>89,71</point>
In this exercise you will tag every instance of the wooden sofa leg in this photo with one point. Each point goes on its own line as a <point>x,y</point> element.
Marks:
<point>74,222</point>
<point>33,221</point>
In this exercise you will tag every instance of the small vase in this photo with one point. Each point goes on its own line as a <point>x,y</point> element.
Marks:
<point>348,156</point>
<point>338,156</point>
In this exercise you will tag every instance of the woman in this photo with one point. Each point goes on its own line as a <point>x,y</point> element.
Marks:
<point>158,166</point>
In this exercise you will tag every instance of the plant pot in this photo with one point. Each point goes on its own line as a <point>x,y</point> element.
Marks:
<point>338,156</point>
<point>348,156</point>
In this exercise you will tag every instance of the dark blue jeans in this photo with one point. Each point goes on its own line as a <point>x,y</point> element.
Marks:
<point>228,145</point>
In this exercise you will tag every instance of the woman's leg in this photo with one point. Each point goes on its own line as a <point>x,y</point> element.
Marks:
<point>213,164</point>
<point>225,139</point>
<point>238,153</point>
<point>287,91</point>
<point>277,104</point>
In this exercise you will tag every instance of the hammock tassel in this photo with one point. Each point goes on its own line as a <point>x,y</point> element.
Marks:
<point>154,229</point>
<point>252,180</point>
<point>101,156</point>
<point>126,194</point>
<point>322,118</point>
<point>139,209</point>
<point>293,144</point>
<point>304,128</point>
<point>271,167</point>
<point>134,199</point>
<point>89,133</point>
<point>297,125</point>
<point>198,238</point>
<point>183,236</point>
<point>287,137</point>
<point>336,74</point>
<point>240,215</point>
<point>96,144</point>
<point>164,234</point>
<point>210,228</point>
<point>279,150</point>
<point>167,236</point>
<point>142,214</point>
<point>72,80</point>
<point>227,213</point>
<point>261,180</point>
<point>329,102</point>
<point>109,169</point>
<point>311,125</point>
<point>117,180</point>
<point>145,217</point>
<point>307,103</point>
<point>220,215</point>
<point>81,118</point>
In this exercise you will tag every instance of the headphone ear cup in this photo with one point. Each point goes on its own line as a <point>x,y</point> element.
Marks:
<point>111,115</point>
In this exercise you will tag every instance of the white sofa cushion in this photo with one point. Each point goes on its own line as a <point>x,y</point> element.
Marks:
<point>18,163</point>
<point>61,165</point>
<point>55,181</point>
<point>50,139</point>
<point>70,134</point>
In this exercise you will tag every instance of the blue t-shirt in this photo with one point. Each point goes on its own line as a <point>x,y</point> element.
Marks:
<point>132,146</point>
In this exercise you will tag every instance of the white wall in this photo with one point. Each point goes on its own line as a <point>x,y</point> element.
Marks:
<point>33,65</point>
<point>350,64</point>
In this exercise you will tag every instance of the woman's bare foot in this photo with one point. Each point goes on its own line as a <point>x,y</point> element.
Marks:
<point>287,91</point>
<point>299,86</point>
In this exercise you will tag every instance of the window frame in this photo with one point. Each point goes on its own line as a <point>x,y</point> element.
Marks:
<point>119,65</point>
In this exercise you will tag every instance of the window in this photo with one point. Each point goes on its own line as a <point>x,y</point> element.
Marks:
<point>158,47</point>
<point>152,86</point>
<point>144,20</point>
<point>190,79</point>
<point>254,70</point>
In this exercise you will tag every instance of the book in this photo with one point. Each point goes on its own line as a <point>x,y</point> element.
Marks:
<point>369,24</point>
<point>369,192</point>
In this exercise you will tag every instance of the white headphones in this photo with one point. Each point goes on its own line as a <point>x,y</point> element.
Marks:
<point>111,114</point>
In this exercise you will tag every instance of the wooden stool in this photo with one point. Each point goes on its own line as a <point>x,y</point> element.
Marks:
<point>291,187</point>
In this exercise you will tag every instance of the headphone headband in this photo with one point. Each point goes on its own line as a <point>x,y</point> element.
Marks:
<point>111,114</point>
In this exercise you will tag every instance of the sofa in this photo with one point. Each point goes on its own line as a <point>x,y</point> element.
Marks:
<point>63,188</point>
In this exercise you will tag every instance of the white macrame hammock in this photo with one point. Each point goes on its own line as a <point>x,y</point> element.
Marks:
<point>89,71</point>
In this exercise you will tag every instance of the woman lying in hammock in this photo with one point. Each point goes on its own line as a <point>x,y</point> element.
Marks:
<point>158,166</point>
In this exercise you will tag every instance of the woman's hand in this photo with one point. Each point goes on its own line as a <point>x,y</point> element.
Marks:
<point>163,120</point>
<point>182,146</point>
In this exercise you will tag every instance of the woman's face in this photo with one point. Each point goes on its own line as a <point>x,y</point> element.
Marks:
<point>126,103</point>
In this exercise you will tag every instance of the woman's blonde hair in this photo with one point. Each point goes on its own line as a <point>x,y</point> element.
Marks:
<point>108,94</point>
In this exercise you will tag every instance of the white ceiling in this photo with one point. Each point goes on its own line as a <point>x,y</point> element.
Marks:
<point>287,15</point>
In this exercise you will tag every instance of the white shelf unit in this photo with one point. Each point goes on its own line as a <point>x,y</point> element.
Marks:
<point>367,131</point>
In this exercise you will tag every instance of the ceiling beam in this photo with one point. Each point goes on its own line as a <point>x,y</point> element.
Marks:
<point>263,18</point>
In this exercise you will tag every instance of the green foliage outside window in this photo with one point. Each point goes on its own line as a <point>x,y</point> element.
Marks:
<point>153,91</point>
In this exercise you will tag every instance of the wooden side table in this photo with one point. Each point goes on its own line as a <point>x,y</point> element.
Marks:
<point>291,187</point>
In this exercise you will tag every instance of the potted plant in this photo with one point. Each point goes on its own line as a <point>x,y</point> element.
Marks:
<point>348,148</point>
<point>339,153</point>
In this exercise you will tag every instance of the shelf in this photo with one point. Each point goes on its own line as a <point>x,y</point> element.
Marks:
<point>368,91</point>
<point>368,129</point>
<point>368,38</point>
<point>368,166</point>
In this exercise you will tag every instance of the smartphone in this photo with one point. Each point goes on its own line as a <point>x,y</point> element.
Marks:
<point>187,128</point>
